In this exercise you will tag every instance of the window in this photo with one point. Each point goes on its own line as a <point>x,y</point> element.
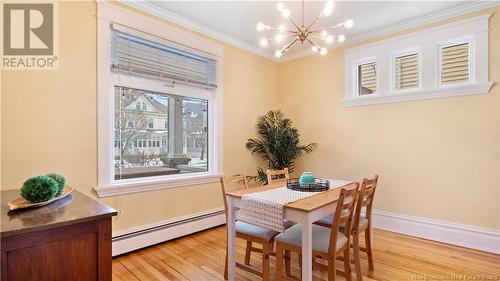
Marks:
<point>443,61</point>
<point>167,83</point>
<point>454,62</point>
<point>189,122</point>
<point>406,72</point>
<point>367,79</point>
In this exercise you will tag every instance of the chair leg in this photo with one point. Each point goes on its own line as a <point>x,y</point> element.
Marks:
<point>347,262</point>
<point>279,262</point>
<point>225,267</point>
<point>369,247</point>
<point>357,265</point>
<point>287,263</point>
<point>332,271</point>
<point>248,252</point>
<point>265,261</point>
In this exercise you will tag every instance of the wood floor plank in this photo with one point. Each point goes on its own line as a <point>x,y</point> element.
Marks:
<point>120,272</point>
<point>200,256</point>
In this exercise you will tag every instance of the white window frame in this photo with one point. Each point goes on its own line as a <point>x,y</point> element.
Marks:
<point>472,62</point>
<point>427,43</point>
<point>401,53</point>
<point>109,13</point>
<point>355,73</point>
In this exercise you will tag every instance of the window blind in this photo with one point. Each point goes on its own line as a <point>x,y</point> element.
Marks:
<point>367,76</point>
<point>455,64</point>
<point>133,55</point>
<point>406,72</point>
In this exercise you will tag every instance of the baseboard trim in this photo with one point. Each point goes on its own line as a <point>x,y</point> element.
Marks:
<point>139,237</point>
<point>469,236</point>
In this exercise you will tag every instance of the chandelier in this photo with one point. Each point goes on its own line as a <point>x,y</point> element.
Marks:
<point>303,33</point>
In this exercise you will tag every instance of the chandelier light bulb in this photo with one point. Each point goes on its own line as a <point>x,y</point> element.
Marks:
<point>279,38</point>
<point>328,9</point>
<point>263,42</point>
<point>323,33</point>
<point>282,28</point>
<point>286,13</point>
<point>323,51</point>
<point>277,53</point>
<point>329,39</point>
<point>341,38</point>
<point>314,49</point>
<point>348,23</point>
<point>260,26</point>
<point>280,6</point>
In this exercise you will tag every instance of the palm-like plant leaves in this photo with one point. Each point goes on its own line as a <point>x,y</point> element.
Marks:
<point>278,144</point>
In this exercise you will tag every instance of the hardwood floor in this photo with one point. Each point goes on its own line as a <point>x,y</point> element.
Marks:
<point>397,257</point>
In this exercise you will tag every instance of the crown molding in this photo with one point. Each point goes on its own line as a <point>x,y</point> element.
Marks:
<point>164,14</point>
<point>154,10</point>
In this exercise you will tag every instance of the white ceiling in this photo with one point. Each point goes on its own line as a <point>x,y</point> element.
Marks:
<point>235,21</point>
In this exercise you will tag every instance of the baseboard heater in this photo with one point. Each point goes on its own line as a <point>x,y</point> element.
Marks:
<point>164,231</point>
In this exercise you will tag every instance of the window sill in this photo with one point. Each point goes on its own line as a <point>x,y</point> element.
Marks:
<point>449,91</point>
<point>135,187</point>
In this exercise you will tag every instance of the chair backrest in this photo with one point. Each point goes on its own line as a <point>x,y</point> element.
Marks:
<point>274,176</point>
<point>230,183</point>
<point>365,199</point>
<point>343,213</point>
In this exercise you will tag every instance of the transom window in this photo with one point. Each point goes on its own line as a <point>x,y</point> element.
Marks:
<point>455,64</point>
<point>367,79</point>
<point>448,60</point>
<point>406,72</point>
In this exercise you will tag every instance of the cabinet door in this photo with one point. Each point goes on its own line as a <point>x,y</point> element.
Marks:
<point>69,254</point>
<point>70,259</point>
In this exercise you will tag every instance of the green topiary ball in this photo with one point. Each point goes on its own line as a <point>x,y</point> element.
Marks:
<point>61,182</point>
<point>39,189</point>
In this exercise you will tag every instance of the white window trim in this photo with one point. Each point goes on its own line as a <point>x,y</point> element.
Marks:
<point>428,42</point>
<point>392,75</point>
<point>107,14</point>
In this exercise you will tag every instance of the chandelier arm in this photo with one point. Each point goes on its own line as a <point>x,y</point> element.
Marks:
<point>288,46</point>
<point>290,18</point>
<point>313,22</point>
<point>335,26</point>
<point>312,43</point>
<point>316,36</point>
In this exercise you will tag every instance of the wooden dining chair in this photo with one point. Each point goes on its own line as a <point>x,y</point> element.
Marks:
<point>361,223</point>
<point>275,176</point>
<point>249,232</point>
<point>327,243</point>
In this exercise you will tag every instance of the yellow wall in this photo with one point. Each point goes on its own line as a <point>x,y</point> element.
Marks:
<point>436,158</point>
<point>49,122</point>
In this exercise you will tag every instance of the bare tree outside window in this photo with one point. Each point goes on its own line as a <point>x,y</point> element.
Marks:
<point>144,149</point>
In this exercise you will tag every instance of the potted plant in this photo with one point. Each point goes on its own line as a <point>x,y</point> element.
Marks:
<point>278,144</point>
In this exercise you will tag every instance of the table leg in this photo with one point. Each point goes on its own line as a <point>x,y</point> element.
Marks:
<point>231,239</point>
<point>307,250</point>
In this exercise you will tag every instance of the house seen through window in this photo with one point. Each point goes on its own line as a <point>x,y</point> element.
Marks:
<point>142,150</point>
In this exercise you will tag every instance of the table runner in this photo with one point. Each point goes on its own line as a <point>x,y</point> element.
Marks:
<point>266,208</point>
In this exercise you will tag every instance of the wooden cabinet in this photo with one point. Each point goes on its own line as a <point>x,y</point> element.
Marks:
<point>67,240</point>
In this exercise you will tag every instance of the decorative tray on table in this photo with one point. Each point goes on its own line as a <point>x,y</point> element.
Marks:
<point>318,185</point>
<point>21,203</point>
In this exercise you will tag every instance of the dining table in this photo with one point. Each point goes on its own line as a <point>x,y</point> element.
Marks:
<point>304,211</point>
